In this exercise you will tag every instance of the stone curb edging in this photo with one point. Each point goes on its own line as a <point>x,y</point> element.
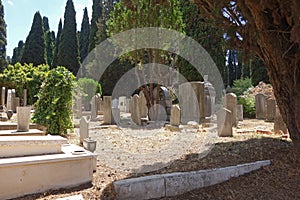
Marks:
<point>166,185</point>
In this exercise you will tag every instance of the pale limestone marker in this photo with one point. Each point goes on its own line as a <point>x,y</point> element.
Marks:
<point>270,110</point>
<point>23,118</point>
<point>260,106</point>
<point>279,125</point>
<point>175,115</point>
<point>13,96</point>
<point>107,110</point>
<point>224,123</point>
<point>230,104</point>
<point>239,112</point>
<point>94,109</point>
<point>143,105</point>
<point>116,115</point>
<point>84,129</point>
<point>135,110</point>
<point>25,97</point>
<point>3,96</point>
<point>9,100</point>
<point>122,102</point>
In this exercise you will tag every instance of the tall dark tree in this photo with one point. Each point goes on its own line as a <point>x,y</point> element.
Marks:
<point>3,41</point>
<point>84,36</point>
<point>46,24</point>
<point>96,16</point>
<point>50,39</point>
<point>34,50</point>
<point>17,54</point>
<point>272,31</point>
<point>68,51</point>
<point>57,42</point>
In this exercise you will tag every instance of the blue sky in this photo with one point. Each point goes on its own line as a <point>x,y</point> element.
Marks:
<point>18,15</point>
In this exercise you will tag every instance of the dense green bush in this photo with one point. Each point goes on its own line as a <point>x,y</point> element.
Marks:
<point>241,85</point>
<point>54,105</point>
<point>248,103</point>
<point>88,88</point>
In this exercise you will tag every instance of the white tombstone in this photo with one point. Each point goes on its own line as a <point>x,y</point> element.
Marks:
<point>224,123</point>
<point>23,118</point>
<point>83,129</point>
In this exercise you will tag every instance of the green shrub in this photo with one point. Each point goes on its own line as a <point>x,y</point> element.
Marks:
<point>241,85</point>
<point>54,105</point>
<point>89,88</point>
<point>248,103</point>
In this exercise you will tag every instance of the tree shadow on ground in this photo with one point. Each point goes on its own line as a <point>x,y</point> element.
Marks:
<point>222,155</point>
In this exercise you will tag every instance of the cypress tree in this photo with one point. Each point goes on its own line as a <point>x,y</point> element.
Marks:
<point>96,15</point>
<point>50,39</point>
<point>17,54</point>
<point>84,35</point>
<point>57,42</point>
<point>34,50</point>
<point>46,24</point>
<point>3,41</point>
<point>68,51</point>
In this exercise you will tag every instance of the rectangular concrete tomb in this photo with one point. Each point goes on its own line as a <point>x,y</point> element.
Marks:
<point>36,174</point>
<point>12,146</point>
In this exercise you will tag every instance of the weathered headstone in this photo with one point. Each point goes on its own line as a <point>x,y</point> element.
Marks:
<point>175,116</point>
<point>224,122</point>
<point>116,115</point>
<point>135,110</point>
<point>143,104</point>
<point>270,110</point>
<point>23,118</point>
<point>230,104</point>
<point>9,100</point>
<point>16,103</point>
<point>25,97</point>
<point>107,110</point>
<point>13,96</point>
<point>260,106</point>
<point>83,129</point>
<point>279,125</point>
<point>191,99</point>
<point>122,102</point>
<point>239,112</point>
<point>3,96</point>
<point>94,109</point>
<point>79,107</point>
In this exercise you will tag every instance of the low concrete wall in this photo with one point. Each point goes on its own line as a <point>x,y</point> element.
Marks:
<point>36,174</point>
<point>173,184</point>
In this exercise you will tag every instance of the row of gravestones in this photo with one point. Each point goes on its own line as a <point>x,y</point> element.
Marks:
<point>12,102</point>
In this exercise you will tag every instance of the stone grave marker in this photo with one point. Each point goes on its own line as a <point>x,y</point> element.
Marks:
<point>270,110</point>
<point>279,125</point>
<point>107,110</point>
<point>122,103</point>
<point>16,103</point>
<point>230,104</point>
<point>135,110</point>
<point>3,96</point>
<point>224,122</point>
<point>23,118</point>
<point>94,109</point>
<point>175,115</point>
<point>116,115</point>
<point>115,103</point>
<point>239,112</point>
<point>83,129</point>
<point>143,105</point>
<point>260,106</point>
<point>9,100</point>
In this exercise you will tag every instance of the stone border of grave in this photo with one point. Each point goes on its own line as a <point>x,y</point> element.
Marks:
<point>172,184</point>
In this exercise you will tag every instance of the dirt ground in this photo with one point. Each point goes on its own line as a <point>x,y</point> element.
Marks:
<point>252,141</point>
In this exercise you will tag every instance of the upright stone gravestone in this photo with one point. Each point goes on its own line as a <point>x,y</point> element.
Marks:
<point>135,110</point>
<point>224,123</point>
<point>3,96</point>
<point>230,104</point>
<point>107,110</point>
<point>16,103</point>
<point>94,109</point>
<point>191,99</point>
<point>83,129</point>
<point>175,116</point>
<point>13,96</point>
<point>260,106</point>
<point>122,103</point>
<point>9,100</point>
<point>279,125</point>
<point>270,110</point>
<point>116,115</point>
<point>143,105</point>
<point>239,112</point>
<point>23,118</point>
